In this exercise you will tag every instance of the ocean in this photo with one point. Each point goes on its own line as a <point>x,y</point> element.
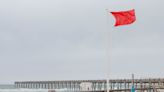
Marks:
<point>11,88</point>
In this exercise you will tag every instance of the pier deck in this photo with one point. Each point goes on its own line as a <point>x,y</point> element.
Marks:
<point>97,85</point>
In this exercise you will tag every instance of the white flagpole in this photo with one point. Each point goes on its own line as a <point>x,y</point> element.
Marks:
<point>108,48</point>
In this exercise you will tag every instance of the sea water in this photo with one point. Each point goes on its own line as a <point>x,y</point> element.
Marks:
<point>11,88</point>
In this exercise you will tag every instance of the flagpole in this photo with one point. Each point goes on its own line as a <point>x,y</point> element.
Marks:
<point>122,18</point>
<point>108,39</point>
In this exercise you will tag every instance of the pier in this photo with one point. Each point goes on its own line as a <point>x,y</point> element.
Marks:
<point>141,85</point>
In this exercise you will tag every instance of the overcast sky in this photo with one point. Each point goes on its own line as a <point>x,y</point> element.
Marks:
<point>72,39</point>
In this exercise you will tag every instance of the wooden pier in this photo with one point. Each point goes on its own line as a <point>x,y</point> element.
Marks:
<point>141,85</point>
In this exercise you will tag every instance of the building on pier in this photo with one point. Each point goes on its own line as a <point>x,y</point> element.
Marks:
<point>86,86</point>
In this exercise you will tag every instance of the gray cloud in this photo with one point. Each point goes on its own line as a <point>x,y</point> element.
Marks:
<point>62,40</point>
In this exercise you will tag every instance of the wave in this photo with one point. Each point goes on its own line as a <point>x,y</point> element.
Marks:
<point>23,90</point>
<point>29,90</point>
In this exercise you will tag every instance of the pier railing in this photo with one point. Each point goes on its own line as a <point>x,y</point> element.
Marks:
<point>96,85</point>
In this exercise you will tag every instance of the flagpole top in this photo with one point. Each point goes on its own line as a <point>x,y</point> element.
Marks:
<point>107,9</point>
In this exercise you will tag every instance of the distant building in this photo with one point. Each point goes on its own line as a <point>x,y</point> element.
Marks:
<point>86,86</point>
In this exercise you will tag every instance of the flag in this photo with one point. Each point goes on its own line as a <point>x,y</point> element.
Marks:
<point>124,17</point>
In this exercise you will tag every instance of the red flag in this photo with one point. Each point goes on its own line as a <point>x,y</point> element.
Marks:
<point>124,17</point>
